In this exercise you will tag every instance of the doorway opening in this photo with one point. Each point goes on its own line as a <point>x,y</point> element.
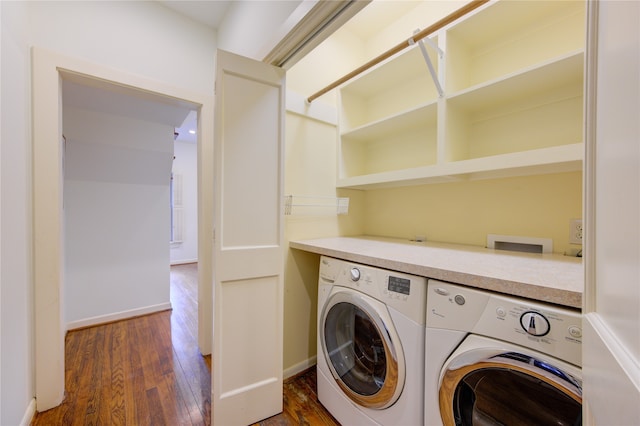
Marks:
<point>183,193</point>
<point>51,196</point>
<point>118,157</point>
<point>183,244</point>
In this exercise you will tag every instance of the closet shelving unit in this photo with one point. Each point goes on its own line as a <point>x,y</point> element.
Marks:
<point>512,75</point>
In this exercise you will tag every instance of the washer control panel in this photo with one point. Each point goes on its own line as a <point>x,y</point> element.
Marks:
<point>547,328</point>
<point>401,291</point>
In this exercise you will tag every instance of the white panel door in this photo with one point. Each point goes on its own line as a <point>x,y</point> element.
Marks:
<point>611,352</point>
<point>248,253</point>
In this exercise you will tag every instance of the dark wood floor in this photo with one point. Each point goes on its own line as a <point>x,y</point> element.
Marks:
<point>148,371</point>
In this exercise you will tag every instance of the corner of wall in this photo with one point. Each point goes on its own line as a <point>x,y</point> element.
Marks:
<point>29,413</point>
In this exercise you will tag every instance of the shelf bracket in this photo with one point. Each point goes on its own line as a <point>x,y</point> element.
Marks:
<point>431,44</point>
<point>425,54</point>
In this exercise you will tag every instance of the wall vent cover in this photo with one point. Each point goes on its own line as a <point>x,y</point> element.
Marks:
<point>521,244</point>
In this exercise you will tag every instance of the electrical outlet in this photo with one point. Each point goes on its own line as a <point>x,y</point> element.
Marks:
<point>575,231</point>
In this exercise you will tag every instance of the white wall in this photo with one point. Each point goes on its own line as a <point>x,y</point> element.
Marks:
<point>148,40</point>
<point>185,164</point>
<point>16,295</point>
<point>117,221</point>
<point>611,344</point>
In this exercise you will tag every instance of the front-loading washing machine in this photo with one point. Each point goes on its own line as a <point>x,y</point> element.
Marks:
<point>370,344</point>
<point>500,360</point>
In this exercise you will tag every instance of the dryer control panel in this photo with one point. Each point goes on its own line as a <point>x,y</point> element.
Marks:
<point>545,328</point>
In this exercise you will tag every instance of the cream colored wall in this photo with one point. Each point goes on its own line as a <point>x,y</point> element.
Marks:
<point>409,17</point>
<point>336,56</point>
<point>465,212</point>
<point>310,170</point>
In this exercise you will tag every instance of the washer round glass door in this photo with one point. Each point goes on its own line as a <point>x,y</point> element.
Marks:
<point>508,388</point>
<point>362,349</point>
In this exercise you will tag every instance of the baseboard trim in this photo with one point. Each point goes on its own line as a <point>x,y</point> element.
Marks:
<point>117,316</point>
<point>299,367</point>
<point>29,414</point>
<point>183,262</point>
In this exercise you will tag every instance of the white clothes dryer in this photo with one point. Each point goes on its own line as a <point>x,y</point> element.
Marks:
<point>370,344</point>
<point>500,360</point>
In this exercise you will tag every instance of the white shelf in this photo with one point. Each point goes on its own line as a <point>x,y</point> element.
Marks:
<point>423,116</point>
<point>558,159</point>
<point>540,107</point>
<point>508,35</point>
<point>512,75</point>
<point>407,65</point>
<point>400,84</point>
<point>559,75</point>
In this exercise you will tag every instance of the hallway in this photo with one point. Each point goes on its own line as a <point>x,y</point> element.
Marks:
<point>145,370</point>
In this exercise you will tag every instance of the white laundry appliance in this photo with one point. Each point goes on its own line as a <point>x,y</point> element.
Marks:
<point>370,344</point>
<point>500,360</point>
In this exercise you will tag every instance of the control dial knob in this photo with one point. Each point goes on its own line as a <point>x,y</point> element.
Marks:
<point>355,274</point>
<point>534,323</point>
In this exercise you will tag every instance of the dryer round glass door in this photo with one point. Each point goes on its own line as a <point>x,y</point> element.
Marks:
<point>509,388</point>
<point>362,353</point>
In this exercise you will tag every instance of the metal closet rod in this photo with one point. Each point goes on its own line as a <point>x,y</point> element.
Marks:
<point>401,46</point>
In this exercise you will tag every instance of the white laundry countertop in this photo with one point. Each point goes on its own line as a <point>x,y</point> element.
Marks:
<point>549,278</point>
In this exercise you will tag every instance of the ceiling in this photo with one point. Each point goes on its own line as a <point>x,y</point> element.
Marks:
<point>212,12</point>
<point>208,12</point>
<point>187,130</point>
<point>115,100</point>
<point>92,94</point>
